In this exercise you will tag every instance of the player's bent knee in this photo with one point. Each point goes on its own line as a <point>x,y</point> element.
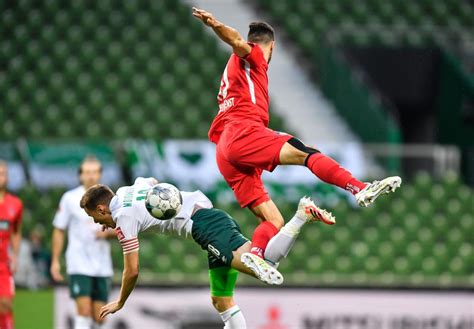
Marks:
<point>295,152</point>
<point>222,304</point>
<point>278,222</point>
<point>296,143</point>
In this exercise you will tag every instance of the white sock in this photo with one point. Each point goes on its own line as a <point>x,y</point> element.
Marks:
<point>97,325</point>
<point>279,246</point>
<point>82,322</point>
<point>233,318</point>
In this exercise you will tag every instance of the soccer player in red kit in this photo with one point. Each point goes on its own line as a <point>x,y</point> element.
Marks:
<point>245,144</point>
<point>11,210</point>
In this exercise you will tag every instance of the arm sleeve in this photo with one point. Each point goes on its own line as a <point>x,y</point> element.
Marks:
<point>63,216</point>
<point>150,181</point>
<point>127,234</point>
<point>255,58</point>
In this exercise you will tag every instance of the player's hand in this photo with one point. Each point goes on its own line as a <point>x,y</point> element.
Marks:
<point>204,16</point>
<point>110,308</point>
<point>55,271</point>
<point>13,264</point>
<point>104,233</point>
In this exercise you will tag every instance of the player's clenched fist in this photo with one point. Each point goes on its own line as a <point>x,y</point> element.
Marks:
<point>204,16</point>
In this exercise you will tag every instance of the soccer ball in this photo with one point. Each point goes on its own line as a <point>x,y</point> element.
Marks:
<point>163,201</point>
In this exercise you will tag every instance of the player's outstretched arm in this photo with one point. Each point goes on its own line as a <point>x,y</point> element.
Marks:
<point>129,279</point>
<point>228,34</point>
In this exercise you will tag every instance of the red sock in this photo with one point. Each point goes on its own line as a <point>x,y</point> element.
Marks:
<point>331,172</point>
<point>6,321</point>
<point>262,234</point>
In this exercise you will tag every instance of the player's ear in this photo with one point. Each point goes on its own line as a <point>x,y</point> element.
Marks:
<point>101,209</point>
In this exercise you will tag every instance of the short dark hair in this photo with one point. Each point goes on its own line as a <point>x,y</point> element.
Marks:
<point>261,32</point>
<point>96,195</point>
<point>88,159</point>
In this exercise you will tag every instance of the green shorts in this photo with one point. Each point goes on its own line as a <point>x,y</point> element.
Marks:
<point>218,233</point>
<point>97,288</point>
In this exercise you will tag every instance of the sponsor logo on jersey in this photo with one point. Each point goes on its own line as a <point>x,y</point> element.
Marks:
<point>4,225</point>
<point>226,104</point>
<point>213,250</point>
<point>120,234</point>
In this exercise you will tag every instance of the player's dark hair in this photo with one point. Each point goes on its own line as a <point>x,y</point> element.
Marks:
<point>89,159</point>
<point>261,32</point>
<point>96,195</point>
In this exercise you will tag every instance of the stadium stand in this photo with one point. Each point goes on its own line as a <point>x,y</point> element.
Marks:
<point>422,236</point>
<point>370,22</point>
<point>108,69</point>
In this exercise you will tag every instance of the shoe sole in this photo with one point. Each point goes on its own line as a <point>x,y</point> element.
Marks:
<point>271,276</point>
<point>318,216</point>
<point>389,188</point>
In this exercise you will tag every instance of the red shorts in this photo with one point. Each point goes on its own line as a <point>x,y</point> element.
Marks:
<point>244,150</point>
<point>7,285</point>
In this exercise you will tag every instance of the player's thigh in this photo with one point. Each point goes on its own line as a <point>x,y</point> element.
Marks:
<point>260,148</point>
<point>268,211</point>
<point>245,182</point>
<point>6,305</point>
<point>96,306</point>
<point>100,289</point>
<point>218,233</point>
<point>237,263</point>
<point>99,295</point>
<point>7,291</point>
<point>84,306</point>
<point>80,287</point>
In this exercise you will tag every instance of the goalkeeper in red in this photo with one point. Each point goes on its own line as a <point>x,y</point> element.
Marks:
<point>245,144</point>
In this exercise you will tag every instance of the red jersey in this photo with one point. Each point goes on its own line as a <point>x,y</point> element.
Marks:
<point>243,94</point>
<point>11,210</point>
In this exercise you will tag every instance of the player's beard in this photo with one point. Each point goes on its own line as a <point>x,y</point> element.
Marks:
<point>270,56</point>
<point>3,190</point>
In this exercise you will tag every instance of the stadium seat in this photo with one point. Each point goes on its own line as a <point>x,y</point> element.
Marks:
<point>108,55</point>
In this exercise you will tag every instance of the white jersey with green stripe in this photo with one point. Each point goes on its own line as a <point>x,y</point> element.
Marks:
<point>131,216</point>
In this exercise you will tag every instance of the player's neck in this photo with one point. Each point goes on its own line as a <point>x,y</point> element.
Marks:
<point>2,194</point>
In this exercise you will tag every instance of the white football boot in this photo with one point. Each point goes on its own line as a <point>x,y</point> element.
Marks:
<point>373,190</point>
<point>262,270</point>
<point>308,210</point>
